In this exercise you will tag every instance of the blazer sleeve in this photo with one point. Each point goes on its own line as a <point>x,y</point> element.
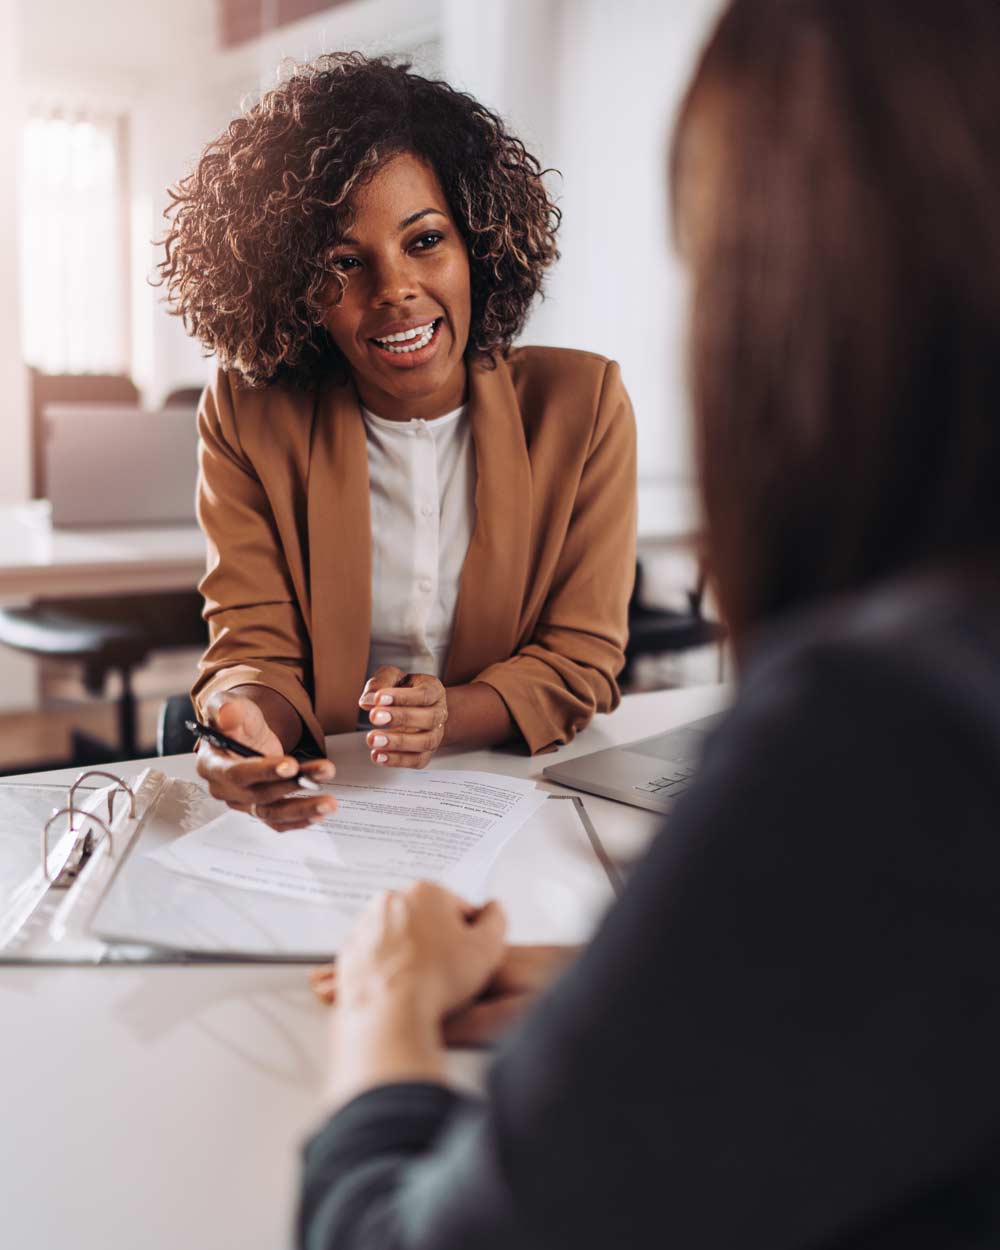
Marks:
<point>566,672</point>
<point>256,632</point>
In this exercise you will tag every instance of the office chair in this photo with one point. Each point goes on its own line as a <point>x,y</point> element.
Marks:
<point>105,636</point>
<point>183,397</point>
<point>172,735</point>
<point>663,631</point>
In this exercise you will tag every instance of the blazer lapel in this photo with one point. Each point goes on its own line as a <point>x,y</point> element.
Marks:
<point>339,554</point>
<point>494,577</point>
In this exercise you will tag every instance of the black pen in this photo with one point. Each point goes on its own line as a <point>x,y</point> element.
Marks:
<point>225,743</point>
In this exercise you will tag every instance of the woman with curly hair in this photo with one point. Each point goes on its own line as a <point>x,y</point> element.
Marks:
<point>403,512</point>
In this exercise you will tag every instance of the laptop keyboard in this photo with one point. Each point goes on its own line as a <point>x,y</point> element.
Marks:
<point>670,783</point>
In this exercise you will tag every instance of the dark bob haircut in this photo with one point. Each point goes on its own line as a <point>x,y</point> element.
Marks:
<point>836,176</point>
<point>250,227</point>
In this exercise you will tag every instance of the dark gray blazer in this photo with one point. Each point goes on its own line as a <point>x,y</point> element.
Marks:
<point>787,1034</point>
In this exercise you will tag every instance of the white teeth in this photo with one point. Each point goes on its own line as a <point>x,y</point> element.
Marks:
<point>415,339</point>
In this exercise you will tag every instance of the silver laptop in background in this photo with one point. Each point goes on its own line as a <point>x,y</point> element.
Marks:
<point>117,464</point>
<point>649,773</point>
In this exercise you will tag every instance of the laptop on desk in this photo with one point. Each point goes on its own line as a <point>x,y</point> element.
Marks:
<point>116,464</point>
<point>650,773</point>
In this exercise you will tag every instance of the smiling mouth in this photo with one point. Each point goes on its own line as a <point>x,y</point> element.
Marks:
<point>409,341</point>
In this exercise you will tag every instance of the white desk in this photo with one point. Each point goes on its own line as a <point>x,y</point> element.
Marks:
<point>165,1107</point>
<point>37,561</point>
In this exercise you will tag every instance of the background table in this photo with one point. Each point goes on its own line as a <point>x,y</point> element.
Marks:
<point>163,1107</point>
<point>38,561</point>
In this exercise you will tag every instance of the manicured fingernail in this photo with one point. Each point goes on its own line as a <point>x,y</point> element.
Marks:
<point>286,769</point>
<point>367,700</point>
<point>380,740</point>
<point>325,809</point>
<point>385,699</point>
<point>381,759</point>
<point>381,718</point>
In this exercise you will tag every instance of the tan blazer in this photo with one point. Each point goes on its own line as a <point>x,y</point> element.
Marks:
<point>542,605</point>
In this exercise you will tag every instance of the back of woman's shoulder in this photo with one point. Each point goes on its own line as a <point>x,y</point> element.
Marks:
<point>927,644</point>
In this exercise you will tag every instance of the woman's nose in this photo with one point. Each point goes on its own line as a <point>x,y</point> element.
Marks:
<point>394,283</point>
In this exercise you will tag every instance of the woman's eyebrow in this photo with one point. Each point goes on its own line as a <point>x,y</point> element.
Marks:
<point>407,221</point>
<point>423,212</point>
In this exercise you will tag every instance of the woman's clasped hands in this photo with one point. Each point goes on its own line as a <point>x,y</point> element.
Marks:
<point>408,712</point>
<point>413,958</point>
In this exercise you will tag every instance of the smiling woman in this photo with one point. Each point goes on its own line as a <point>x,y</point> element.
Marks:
<point>406,516</point>
<point>409,367</point>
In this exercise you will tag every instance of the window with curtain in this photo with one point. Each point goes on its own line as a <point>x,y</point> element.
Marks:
<point>74,243</point>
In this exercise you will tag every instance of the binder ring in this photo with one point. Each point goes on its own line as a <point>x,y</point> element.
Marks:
<point>120,786</point>
<point>83,843</point>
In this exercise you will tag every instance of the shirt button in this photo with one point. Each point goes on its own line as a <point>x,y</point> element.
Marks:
<point>426,585</point>
<point>427,510</point>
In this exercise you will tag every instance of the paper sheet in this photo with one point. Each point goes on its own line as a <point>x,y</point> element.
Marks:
<point>392,827</point>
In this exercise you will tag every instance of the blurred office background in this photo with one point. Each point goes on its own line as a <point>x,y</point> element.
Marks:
<point>104,103</point>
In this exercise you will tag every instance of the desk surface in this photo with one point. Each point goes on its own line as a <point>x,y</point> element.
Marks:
<point>37,561</point>
<point>166,1106</point>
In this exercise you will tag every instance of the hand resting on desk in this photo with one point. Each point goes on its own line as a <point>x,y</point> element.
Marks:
<point>524,973</point>
<point>260,786</point>
<point>413,958</point>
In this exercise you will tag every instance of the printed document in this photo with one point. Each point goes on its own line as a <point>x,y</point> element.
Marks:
<point>392,826</point>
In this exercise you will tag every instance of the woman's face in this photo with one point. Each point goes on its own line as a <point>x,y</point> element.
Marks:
<point>403,321</point>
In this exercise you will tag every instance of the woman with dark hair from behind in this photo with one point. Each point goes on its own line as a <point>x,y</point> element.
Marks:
<point>785,1034</point>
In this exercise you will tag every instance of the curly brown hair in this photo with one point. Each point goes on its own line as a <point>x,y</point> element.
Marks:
<point>251,227</point>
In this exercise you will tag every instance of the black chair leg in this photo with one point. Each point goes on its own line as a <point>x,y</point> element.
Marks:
<point>87,751</point>
<point>127,717</point>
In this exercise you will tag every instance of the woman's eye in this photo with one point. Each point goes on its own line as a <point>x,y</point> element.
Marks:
<point>345,263</point>
<point>427,241</point>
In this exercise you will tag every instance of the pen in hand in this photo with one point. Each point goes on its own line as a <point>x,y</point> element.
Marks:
<point>225,743</point>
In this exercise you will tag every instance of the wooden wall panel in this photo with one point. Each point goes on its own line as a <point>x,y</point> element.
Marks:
<point>240,20</point>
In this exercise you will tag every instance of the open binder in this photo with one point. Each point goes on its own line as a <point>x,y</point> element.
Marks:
<point>94,894</point>
<point>75,842</point>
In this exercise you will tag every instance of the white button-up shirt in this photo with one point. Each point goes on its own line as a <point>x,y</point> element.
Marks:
<point>422,486</point>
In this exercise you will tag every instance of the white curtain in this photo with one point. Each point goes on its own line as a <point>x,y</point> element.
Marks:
<point>74,244</point>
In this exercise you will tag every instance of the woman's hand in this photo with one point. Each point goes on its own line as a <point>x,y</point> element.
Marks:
<point>524,973</point>
<point>259,786</point>
<point>409,711</point>
<point>424,945</point>
<point>413,957</point>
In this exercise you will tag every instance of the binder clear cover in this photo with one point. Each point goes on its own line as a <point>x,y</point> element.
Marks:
<point>125,907</point>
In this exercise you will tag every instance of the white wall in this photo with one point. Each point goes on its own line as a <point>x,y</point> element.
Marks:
<point>592,87</point>
<point>17,672</point>
<point>169,124</point>
<point>15,460</point>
